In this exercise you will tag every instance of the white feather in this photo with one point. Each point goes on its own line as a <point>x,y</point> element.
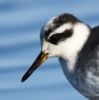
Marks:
<point>61,29</point>
<point>50,23</point>
<point>74,44</point>
<point>69,48</point>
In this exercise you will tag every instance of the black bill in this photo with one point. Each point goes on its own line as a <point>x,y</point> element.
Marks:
<point>40,59</point>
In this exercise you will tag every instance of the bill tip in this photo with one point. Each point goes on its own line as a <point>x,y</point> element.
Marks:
<point>22,80</point>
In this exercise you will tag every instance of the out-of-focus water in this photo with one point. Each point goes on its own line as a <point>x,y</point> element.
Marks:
<point>20,24</point>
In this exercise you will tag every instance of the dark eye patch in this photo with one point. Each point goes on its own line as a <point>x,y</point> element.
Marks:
<point>54,39</point>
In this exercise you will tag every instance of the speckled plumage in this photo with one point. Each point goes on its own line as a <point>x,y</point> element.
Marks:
<point>85,78</point>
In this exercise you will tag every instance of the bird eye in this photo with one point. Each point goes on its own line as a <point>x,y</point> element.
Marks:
<point>54,39</point>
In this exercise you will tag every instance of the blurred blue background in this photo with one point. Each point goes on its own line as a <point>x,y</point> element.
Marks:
<point>20,25</point>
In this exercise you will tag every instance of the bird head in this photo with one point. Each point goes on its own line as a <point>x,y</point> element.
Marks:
<point>62,36</point>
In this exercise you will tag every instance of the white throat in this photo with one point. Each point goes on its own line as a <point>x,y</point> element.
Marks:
<point>74,44</point>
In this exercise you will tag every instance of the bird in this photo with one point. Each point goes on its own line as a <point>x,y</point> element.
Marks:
<point>76,44</point>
